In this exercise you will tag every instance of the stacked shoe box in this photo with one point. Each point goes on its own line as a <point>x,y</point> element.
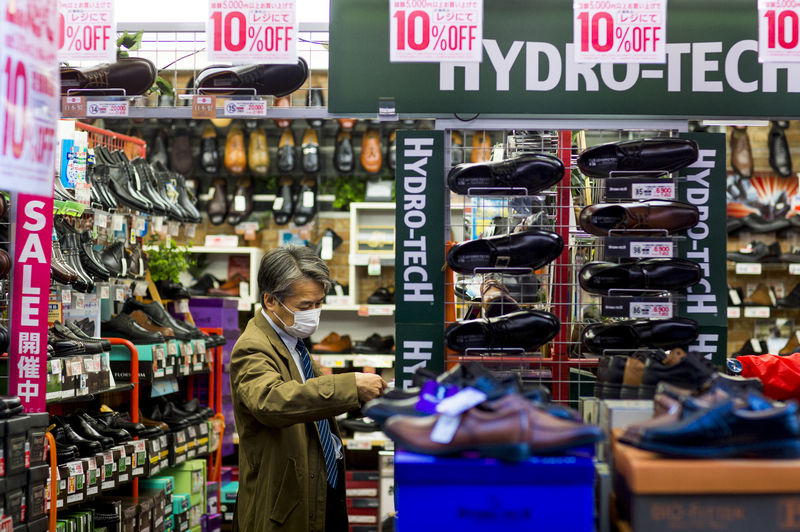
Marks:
<point>180,511</point>
<point>78,375</point>
<point>165,486</point>
<point>227,504</point>
<point>362,500</point>
<point>77,521</point>
<point>38,472</point>
<point>148,361</point>
<point>190,480</point>
<point>14,460</point>
<point>157,516</point>
<point>213,519</point>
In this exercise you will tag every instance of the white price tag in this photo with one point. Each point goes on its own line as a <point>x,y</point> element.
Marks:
<point>277,204</point>
<point>79,301</point>
<point>109,109</point>
<point>621,32</point>
<point>794,269</point>
<point>651,249</point>
<point>359,445</point>
<point>105,291</point>
<point>748,268</point>
<point>647,191</point>
<point>158,223</point>
<point>756,312</point>
<point>183,305</point>
<point>734,312</point>
<point>140,288</point>
<point>88,31</point>
<point>239,203</point>
<point>380,310</point>
<point>139,223</point>
<point>252,32</point>
<point>652,310</point>
<point>117,221</point>
<point>100,220</point>
<point>435,32</point>
<point>445,428</point>
<point>374,266</point>
<point>778,31</point>
<point>308,199</point>
<point>174,228</point>
<point>326,253</point>
<point>119,294</point>
<point>460,402</point>
<point>66,296</point>
<point>733,295</point>
<point>245,108</point>
<point>190,230</point>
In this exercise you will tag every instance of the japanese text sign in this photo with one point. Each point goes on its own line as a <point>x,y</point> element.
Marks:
<point>778,31</point>
<point>28,95</point>
<point>87,31</point>
<point>29,306</point>
<point>252,31</point>
<point>620,31</point>
<point>435,31</point>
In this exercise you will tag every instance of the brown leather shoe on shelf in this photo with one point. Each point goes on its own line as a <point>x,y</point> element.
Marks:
<point>762,296</point>
<point>282,102</point>
<point>152,423</point>
<point>229,287</point>
<point>371,158</point>
<point>643,218</point>
<point>235,157</point>
<point>257,153</point>
<point>496,300</point>
<point>334,344</point>
<point>481,147</point>
<point>741,154</point>
<point>792,344</point>
<point>144,320</point>
<point>632,378</point>
<point>134,74</point>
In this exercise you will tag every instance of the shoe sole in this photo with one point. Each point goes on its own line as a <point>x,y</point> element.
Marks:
<point>609,391</point>
<point>630,391</point>
<point>787,448</point>
<point>646,392</point>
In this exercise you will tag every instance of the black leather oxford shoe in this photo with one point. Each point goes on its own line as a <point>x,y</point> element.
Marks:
<point>528,249</point>
<point>123,326</point>
<point>646,155</point>
<point>534,173</point>
<point>634,334</point>
<point>655,275</point>
<point>527,329</point>
<point>275,80</point>
<point>162,318</point>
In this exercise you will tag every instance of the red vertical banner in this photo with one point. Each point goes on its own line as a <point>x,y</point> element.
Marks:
<point>32,241</point>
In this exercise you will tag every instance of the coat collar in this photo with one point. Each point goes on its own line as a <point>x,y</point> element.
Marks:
<point>272,336</point>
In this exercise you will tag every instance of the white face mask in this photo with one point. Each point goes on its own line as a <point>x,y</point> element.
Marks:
<point>305,321</point>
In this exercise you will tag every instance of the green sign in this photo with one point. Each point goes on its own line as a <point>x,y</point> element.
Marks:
<point>707,301</point>
<point>419,252</point>
<point>528,67</point>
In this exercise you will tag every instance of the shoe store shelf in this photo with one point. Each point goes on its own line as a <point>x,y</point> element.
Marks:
<point>363,310</point>
<point>125,387</point>
<point>266,198</point>
<point>358,444</point>
<point>755,268</point>
<point>356,360</point>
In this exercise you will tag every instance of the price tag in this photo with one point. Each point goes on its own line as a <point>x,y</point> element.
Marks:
<point>794,269</point>
<point>653,191</point>
<point>66,297</point>
<point>326,253</point>
<point>140,288</point>
<point>778,31</point>
<point>748,268</point>
<point>139,223</point>
<point>190,230</point>
<point>359,445</point>
<point>73,106</point>
<point>88,31</point>
<point>621,32</point>
<point>374,266</point>
<point>651,249</point>
<point>158,223</point>
<point>242,33</point>
<point>239,203</point>
<point>183,305</point>
<point>245,108</point>
<point>651,310</point>
<point>79,301</point>
<point>204,107</point>
<point>174,228</point>
<point>308,199</point>
<point>119,294</point>
<point>117,221</point>
<point>277,204</point>
<point>380,310</point>
<point>734,312</point>
<point>111,109</point>
<point>433,32</point>
<point>460,402</point>
<point>756,312</point>
<point>105,291</point>
<point>100,220</point>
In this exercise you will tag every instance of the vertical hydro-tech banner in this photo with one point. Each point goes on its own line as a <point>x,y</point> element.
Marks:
<point>419,253</point>
<point>707,301</point>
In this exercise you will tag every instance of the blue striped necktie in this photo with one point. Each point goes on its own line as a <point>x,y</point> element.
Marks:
<point>325,436</point>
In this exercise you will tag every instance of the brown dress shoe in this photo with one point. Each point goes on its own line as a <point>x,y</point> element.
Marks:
<point>144,320</point>
<point>481,147</point>
<point>791,345</point>
<point>333,344</point>
<point>645,218</point>
<point>371,158</point>
<point>632,378</point>
<point>495,299</point>
<point>510,427</point>
<point>257,153</point>
<point>229,287</point>
<point>235,157</point>
<point>741,155</point>
<point>282,102</point>
<point>133,74</point>
<point>762,296</point>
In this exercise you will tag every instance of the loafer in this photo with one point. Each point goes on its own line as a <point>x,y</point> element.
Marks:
<point>274,80</point>
<point>118,435</point>
<point>123,326</point>
<point>258,152</point>
<point>527,329</point>
<point>481,147</point>
<point>81,335</point>
<point>343,159</point>
<point>181,160</point>
<point>59,269</point>
<point>645,218</point>
<point>371,157</point>
<point>133,74</point>
<point>283,206</point>
<point>646,155</point>
<point>287,160</point>
<point>242,200</point>
<point>149,185</point>
<point>309,149</point>
<point>657,275</point>
<point>235,155</point>
<point>334,343</point>
<point>209,150</point>
<point>217,206</point>
<point>780,159</point>
<point>741,154</point>
<point>635,334</point>
<point>533,173</point>
<point>528,249</point>
<point>306,207</point>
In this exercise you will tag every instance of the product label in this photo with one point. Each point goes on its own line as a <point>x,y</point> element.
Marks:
<point>248,31</point>
<point>435,31</point>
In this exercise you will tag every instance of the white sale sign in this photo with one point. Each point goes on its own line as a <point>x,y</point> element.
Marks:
<point>435,31</point>
<point>620,31</point>
<point>29,95</point>
<point>244,32</point>
<point>778,31</point>
<point>87,31</point>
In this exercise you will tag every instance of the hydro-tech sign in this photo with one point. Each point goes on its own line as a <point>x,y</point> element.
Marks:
<point>33,229</point>
<point>419,252</point>
<point>710,66</point>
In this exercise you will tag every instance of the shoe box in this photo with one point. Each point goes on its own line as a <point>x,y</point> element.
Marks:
<point>540,493</point>
<point>39,525</point>
<point>36,438</point>
<point>92,467</point>
<point>158,497</point>
<point>148,360</point>
<point>190,478</point>
<point>618,414</point>
<point>180,510</point>
<point>363,497</point>
<point>13,498</point>
<point>163,508</point>
<point>658,494</point>
<point>77,375</point>
<point>15,446</point>
<point>177,447</point>
<point>36,491</point>
<point>153,465</point>
<point>191,442</point>
<point>212,497</point>
<point>197,440</point>
<point>76,521</point>
<point>140,460</point>
<point>227,504</point>
<point>171,362</point>
<point>213,523</point>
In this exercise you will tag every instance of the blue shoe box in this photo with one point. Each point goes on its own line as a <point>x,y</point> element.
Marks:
<point>480,494</point>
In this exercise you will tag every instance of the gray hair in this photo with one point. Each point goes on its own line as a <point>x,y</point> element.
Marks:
<point>283,266</point>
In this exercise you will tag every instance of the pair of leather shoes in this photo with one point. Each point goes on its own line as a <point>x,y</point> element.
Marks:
<point>230,288</point>
<point>636,334</point>
<point>527,174</point>
<point>646,155</point>
<point>134,75</point>
<point>204,284</point>
<point>525,330</point>
<point>645,218</point>
<point>375,343</point>
<point>124,326</point>
<point>528,249</point>
<point>295,202</point>
<point>90,345</point>
<point>159,315</point>
<point>653,275</point>
<point>115,420</point>
<point>333,343</point>
<point>220,210</point>
<point>274,80</point>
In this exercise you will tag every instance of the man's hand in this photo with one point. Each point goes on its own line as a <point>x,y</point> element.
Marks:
<point>369,386</point>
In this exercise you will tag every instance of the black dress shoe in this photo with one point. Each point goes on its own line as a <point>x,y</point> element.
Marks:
<point>77,331</point>
<point>89,259</point>
<point>287,160</point>
<point>610,374</point>
<point>209,150</point>
<point>123,326</point>
<point>529,249</point>
<point>758,252</point>
<point>375,343</point>
<point>306,207</point>
<point>655,275</point>
<point>283,206</point>
<point>162,318</point>
<point>218,203</point>
<point>635,334</point>
<point>275,80</point>
<point>242,200</point>
<point>116,421</point>
<point>181,160</point>
<point>734,224</point>
<point>184,201</point>
<point>90,346</point>
<point>113,258</point>
<point>83,429</point>
<point>780,159</point>
<point>64,435</point>
<point>69,249</point>
<point>63,347</point>
<point>664,154</point>
<point>527,329</point>
<point>315,98</point>
<point>4,340</point>
<point>533,173</point>
<point>201,287</point>
<point>168,289</point>
<point>752,347</point>
<point>194,407</point>
<point>691,372</point>
<point>157,149</point>
<point>116,434</point>
<point>381,296</point>
<point>758,224</point>
<point>309,150</point>
<point>121,189</point>
<point>343,156</point>
<point>792,299</point>
<point>149,184</point>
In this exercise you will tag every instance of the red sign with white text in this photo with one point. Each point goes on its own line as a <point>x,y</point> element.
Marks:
<point>435,31</point>
<point>33,234</point>
<point>87,31</point>
<point>778,31</point>
<point>29,95</point>
<point>242,32</point>
<point>620,31</point>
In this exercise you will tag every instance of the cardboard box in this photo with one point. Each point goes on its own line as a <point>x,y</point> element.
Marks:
<point>190,478</point>
<point>35,491</point>
<point>72,480</point>
<point>15,444</point>
<point>618,414</point>
<point>659,494</point>
<point>36,437</point>
<point>177,447</point>
<point>14,498</point>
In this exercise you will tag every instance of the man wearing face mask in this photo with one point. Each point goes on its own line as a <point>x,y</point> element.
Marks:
<point>291,468</point>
